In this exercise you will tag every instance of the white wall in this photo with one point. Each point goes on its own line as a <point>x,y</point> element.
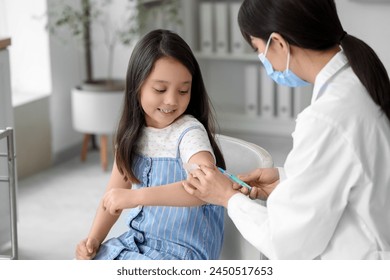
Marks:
<point>67,71</point>
<point>30,71</point>
<point>369,22</point>
<point>102,35</point>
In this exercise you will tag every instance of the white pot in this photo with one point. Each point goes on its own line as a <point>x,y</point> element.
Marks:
<point>96,112</point>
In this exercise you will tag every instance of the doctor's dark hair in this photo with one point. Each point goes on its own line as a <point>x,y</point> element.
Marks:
<point>153,46</point>
<point>314,24</point>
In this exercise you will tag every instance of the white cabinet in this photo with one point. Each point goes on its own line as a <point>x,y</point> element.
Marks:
<point>272,111</point>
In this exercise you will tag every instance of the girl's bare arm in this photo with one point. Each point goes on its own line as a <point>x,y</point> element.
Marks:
<point>167,195</point>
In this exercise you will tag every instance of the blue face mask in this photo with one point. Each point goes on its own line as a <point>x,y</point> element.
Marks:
<point>286,78</point>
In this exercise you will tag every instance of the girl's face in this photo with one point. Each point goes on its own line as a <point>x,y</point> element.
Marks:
<point>166,93</point>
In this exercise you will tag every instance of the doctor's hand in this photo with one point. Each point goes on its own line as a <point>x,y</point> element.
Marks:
<point>210,185</point>
<point>262,180</point>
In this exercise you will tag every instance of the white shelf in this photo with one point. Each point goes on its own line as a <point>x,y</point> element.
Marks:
<point>226,83</point>
<point>250,57</point>
<point>236,122</point>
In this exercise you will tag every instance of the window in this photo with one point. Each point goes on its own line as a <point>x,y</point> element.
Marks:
<point>24,22</point>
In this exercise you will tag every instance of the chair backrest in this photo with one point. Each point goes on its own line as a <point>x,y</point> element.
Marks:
<point>240,157</point>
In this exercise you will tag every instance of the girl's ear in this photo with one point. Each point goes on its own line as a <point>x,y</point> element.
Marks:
<point>279,43</point>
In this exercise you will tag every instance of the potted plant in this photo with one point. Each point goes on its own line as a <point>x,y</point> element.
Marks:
<point>132,23</point>
<point>96,102</point>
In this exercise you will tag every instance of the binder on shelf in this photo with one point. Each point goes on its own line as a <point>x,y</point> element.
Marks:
<point>251,90</point>
<point>302,98</point>
<point>267,93</point>
<point>284,102</point>
<point>206,27</point>
<point>237,42</point>
<point>221,27</point>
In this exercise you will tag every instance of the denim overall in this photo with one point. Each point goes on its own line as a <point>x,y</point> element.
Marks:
<point>162,232</point>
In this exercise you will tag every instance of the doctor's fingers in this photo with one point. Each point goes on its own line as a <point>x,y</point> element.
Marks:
<point>205,170</point>
<point>258,193</point>
<point>201,176</point>
<point>210,177</point>
<point>240,188</point>
<point>188,187</point>
<point>196,180</point>
<point>201,187</point>
<point>192,190</point>
<point>198,173</point>
<point>252,176</point>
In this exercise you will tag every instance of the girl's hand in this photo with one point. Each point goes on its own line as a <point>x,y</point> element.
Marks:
<point>117,199</point>
<point>87,249</point>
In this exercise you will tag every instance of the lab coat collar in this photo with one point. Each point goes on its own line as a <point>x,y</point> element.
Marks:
<point>338,62</point>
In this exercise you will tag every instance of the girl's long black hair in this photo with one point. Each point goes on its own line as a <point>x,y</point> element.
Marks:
<point>314,24</point>
<point>153,46</point>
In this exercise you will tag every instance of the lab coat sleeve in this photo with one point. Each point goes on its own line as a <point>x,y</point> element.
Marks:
<point>282,174</point>
<point>303,211</point>
<point>251,220</point>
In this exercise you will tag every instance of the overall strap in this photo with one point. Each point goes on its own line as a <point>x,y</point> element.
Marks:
<point>181,137</point>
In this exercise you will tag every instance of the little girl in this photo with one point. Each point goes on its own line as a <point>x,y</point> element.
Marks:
<point>166,122</point>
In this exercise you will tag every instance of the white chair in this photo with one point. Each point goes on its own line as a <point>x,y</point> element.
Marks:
<point>240,157</point>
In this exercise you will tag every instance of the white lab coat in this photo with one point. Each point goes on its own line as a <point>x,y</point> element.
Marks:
<point>334,202</point>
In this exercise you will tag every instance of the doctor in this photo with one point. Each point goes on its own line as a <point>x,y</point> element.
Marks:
<point>332,198</point>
